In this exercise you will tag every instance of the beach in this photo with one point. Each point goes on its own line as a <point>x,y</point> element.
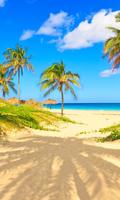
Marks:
<point>88,121</point>
<point>59,100</point>
<point>64,164</point>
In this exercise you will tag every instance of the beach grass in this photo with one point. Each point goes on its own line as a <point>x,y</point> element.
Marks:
<point>110,128</point>
<point>114,133</point>
<point>21,116</point>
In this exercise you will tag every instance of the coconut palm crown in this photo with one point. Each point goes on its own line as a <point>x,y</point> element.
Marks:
<point>17,60</point>
<point>112,45</point>
<point>56,77</point>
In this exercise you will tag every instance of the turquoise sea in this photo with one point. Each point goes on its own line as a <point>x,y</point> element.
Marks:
<point>88,106</point>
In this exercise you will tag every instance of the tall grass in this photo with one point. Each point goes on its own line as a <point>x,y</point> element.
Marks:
<point>114,133</point>
<point>17,117</point>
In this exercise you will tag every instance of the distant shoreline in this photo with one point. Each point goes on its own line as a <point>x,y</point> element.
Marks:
<point>84,110</point>
<point>87,106</point>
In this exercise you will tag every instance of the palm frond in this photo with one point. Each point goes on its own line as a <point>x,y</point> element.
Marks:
<point>6,81</point>
<point>114,30</point>
<point>72,92</point>
<point>46,84</point>
<point>12,87</point>
<point>118,17</point>
<point>17,58</point>
<point>112,45</point>
<point>74,82</point>
<point>51,89</point>
<point>116,62</point>
<point>56,76</point>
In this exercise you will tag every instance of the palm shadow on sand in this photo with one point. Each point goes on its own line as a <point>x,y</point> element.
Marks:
<point>58,169</point>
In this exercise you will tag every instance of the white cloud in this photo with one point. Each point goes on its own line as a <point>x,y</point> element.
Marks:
<point>55,25</point>
<point>27,34</point>
<point>109,72</point>
<point>2,3</point>
<point>89,32</point>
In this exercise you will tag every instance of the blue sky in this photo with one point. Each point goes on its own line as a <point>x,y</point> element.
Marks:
<point>54,30</point>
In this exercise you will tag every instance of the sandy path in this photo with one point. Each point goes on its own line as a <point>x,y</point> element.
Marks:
<point>87,122</point>
<point>92,120</point>
<point>52,168</point>
<point>39,167</point>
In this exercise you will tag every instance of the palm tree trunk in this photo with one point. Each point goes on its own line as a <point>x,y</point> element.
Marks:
<point>62,98</point>
<point>19,84</point>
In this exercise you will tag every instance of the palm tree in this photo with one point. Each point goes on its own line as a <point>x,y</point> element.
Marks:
<point>6,82</point>
<point>56,77</point>
<point>17,60</point>
<point>112,45</point>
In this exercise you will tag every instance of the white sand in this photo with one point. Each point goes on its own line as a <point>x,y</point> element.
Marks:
<point>36,166</point>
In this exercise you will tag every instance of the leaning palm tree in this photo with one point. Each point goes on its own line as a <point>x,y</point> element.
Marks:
<point>112,45</point>
<point>17,60</point>
<point>6,82</point>
<point>56,77</point>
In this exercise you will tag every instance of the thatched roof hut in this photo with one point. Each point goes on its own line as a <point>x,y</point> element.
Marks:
<point>49,102</point>
<point>33,102</point>
<point>13,101</point>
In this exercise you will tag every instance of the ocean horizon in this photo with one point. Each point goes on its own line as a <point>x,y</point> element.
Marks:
<point>87,106</point>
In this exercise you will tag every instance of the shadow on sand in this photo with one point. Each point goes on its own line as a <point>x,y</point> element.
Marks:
<point>49,168</point>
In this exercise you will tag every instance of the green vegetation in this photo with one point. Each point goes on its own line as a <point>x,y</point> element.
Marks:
<point>83,132</point>
<point>29,113</point>
<point>110,129</point>
<point>114,133</point>
<point>16,61</point>
<point>56,77</point>
<point>17,117</point>
<point>112,46</point>
<point>6,82</point>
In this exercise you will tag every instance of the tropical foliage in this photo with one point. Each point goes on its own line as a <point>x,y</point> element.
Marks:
<point>6,82</point>
<point>112,45</point>
<point>16,61</point>
<point>56,77</point>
